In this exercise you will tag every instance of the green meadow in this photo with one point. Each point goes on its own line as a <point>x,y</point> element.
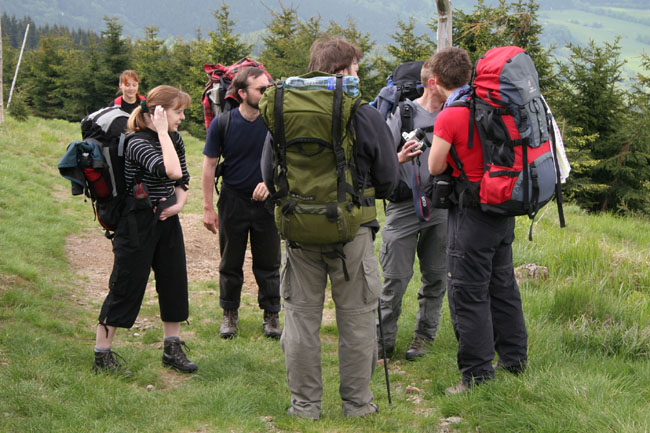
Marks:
<point>588,323</point>
<point>601,28</point>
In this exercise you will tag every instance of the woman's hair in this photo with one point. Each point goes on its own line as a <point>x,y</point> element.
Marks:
<point>124,76</point>
<point>170,98</point>
<point>240,81</point>
<point>331,55</point>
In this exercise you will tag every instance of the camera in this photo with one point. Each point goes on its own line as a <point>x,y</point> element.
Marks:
<point>418,135</point>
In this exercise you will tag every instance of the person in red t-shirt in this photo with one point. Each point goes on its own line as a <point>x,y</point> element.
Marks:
<point>484,298</point>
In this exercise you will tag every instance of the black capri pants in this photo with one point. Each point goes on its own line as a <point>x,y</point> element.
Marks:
<point>143,243</point>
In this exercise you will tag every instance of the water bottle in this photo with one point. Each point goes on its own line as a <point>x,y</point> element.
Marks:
<point>350,84</point>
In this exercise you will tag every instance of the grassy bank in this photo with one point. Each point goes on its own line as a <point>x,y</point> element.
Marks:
<point>588,323</point>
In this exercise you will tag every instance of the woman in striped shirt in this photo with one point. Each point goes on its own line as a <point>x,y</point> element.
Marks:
<point>149,235</point>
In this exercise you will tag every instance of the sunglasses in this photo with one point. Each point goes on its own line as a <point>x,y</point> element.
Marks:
<point>261,89</point>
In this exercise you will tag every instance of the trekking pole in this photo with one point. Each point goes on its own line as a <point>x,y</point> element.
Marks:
<point>383,351</point>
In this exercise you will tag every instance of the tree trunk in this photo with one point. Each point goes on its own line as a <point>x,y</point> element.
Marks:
<point>2,99</point>
<point>444,24</point>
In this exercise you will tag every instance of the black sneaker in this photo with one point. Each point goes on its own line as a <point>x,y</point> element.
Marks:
<point>174,357</point>
<point>229,323</point>
<point>109,362</point>
<point>418,348</point>
<point>271,325</point>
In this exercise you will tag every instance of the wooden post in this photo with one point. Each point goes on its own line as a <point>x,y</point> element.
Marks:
<point>2,110</point>
<point>444,24</point>
<point>20,57</point>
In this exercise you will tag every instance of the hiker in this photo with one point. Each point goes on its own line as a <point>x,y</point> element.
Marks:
<point>405,234</point>
<point>351,267</point>
<point>242,206</point>
<point>484,298</point>
<point>129,97</point>
<point>149,233</point>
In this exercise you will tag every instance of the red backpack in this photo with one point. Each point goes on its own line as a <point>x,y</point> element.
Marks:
<point>521,173</point>
<point>218,95</point>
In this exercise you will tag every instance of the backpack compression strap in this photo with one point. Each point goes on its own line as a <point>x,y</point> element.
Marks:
<point>337,138</point>
<point>280,176</point>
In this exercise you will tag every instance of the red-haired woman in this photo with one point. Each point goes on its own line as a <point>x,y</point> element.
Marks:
<point>129,97</point>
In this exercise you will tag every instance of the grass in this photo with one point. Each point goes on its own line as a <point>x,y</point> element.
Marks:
<point>588,324</point>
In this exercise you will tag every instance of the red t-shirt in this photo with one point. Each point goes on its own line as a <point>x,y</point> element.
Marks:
<point>452,125</point>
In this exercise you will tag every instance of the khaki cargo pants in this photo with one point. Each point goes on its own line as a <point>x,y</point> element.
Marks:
<point>303,283</point>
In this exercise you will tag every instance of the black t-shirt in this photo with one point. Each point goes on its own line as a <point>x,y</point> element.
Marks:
<point>241,151</point>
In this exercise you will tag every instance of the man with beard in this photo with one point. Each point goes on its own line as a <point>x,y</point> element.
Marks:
<point>241,205</point>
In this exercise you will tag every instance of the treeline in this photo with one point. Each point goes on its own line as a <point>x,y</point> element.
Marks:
<point>605,124</point>
<point>13,30</point>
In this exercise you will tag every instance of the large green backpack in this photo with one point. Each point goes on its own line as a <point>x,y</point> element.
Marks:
<point>317,194</point>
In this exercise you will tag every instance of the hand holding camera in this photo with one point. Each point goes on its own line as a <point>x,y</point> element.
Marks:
<point>419,136</point>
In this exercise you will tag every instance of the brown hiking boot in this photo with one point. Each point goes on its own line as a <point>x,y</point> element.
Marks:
<point>419,347</point>
<point>109,362</point>
<point>174,357</point>
<point>229,323</point>
<point>271,325</point>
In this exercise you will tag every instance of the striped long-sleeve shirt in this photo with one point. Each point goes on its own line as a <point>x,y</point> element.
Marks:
<point>143,157</point>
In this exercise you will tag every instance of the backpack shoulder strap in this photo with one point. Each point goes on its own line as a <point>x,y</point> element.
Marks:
<point>222,127</point>
<point>406,114</point>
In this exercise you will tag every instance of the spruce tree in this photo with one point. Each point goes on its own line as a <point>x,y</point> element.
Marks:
<point>224,46</point>
<point>152,61</point>
<point>593,98</point>
<point>114,57</point>
<point>287,43</point>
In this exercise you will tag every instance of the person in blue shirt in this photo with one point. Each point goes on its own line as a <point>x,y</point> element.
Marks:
<point>242,206</point>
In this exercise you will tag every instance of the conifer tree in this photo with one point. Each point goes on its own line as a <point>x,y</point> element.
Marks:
<point>514,23</point>
<point>114,57</point>
<point>186,72</point>
<point>152,61</point>
<point>226,47</point>
<point>44,73</point>
<point>286,46</point>
<point>592,97</point>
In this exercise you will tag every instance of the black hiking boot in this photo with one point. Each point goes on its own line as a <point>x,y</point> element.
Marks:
<point>271,325</point>
<point>229,324</point>
<point>109,362</point>
<point>174,357</point>
<point>419,347</point>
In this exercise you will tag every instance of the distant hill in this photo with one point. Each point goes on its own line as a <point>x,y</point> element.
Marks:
<point>563,20</point>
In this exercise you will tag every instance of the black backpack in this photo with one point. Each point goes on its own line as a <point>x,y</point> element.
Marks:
<point>95,166</point>
<point>404,83</point>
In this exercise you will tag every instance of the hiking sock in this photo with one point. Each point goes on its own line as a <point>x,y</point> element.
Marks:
<point>102,349</point>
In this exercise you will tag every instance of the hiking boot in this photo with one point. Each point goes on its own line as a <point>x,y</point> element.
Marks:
<point>271,325</point>
<point>229,323</point>
<point>109,362</point>
<point>369,409</point>
<point>457,389</point>
<point>174,357</point>
<point>300,414</point>
<point>419,347</point>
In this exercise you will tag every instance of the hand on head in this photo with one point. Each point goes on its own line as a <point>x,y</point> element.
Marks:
<point>159,119</point>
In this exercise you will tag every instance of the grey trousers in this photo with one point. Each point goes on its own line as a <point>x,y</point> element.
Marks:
<point>303,281</point>
<point>403,236</point>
